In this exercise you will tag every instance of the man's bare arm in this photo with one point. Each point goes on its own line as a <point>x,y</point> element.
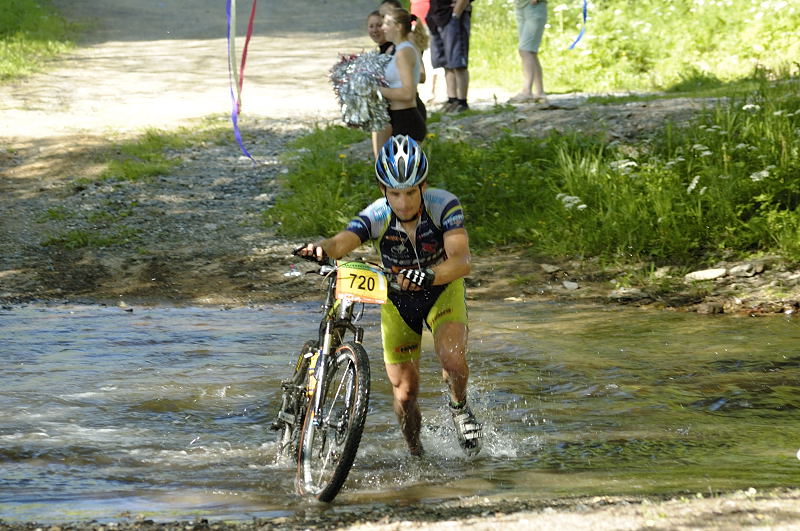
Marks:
<point>336,246</point>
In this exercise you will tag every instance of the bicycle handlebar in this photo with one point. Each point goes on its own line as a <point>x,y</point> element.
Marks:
<point>328,265</point>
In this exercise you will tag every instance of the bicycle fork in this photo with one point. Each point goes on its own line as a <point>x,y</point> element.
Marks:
<point>344,313</point>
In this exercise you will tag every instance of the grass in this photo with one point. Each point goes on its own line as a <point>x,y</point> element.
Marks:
<point>663,45</point>
<point>324,184</point>
<point>152,153</point>
<point>31,33</point>
<point>79,238</point>
<point>724,185</point>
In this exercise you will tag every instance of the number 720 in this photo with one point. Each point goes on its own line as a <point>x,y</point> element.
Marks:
<point>362,282</point>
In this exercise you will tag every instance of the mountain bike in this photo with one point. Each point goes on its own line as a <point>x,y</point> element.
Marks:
<point>324,403</point>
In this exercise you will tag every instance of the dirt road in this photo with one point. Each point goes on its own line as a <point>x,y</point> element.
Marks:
<point>158,63</point>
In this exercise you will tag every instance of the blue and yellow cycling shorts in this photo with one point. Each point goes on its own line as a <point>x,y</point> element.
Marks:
<point>402,319</point>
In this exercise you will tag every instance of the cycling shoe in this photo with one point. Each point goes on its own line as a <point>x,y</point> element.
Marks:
<point>469,430</point>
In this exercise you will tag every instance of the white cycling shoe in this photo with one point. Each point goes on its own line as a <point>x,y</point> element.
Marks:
<point>469,430</point>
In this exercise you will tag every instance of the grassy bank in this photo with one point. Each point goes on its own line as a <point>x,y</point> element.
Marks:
<point>642,45</point>
<point>724,185</point>
<point>31,32</point>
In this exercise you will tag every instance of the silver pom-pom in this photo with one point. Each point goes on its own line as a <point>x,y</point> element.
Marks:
<point>355,80</point>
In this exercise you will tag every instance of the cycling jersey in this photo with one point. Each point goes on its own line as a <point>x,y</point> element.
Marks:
<point>441,212</point>
<point>403,317</point>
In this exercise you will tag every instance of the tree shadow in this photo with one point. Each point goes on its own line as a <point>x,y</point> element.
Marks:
<point>155,20</point>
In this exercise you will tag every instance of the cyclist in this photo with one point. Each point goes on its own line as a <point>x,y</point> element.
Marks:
<point>420,235</point>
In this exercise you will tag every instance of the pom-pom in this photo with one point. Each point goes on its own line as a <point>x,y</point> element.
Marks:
<point>355,80</point>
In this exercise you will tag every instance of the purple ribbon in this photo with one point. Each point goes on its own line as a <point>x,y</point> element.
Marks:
<point>231,74</point>
<point>583,28</point>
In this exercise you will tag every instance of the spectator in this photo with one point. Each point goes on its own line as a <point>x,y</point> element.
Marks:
<point>375,31</point>
<point>402,76</point>
<point>420,8</point>
<point>449,25</point>
<point>531,19</point>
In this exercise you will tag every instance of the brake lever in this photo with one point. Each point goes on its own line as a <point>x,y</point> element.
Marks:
<point>392,278</point>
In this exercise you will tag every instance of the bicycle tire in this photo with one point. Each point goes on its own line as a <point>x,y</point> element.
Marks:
<point>293,404</point>
<point>328,443</point>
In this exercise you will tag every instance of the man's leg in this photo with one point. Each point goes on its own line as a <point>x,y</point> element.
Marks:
<point>450,342</point>
<point>455,42</point>
<point>462,83</point>
<point>450,87</point>
<point>450,81</point>
<point>405,388</point>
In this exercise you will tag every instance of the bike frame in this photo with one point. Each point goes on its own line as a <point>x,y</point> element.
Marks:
<point>337,316</point>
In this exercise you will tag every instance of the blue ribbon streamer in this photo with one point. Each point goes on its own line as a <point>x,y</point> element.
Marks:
<point>583,28</point>
<point>234,103</point>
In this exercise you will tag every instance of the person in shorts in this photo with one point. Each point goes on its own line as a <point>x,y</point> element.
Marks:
<point>420,235</point>
<point>402,75</point>
<point>531,20</point>
<point>449,25</point>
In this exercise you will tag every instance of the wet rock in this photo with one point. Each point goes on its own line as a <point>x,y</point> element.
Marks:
<point>743,270</point>
<point>628,294</point>
<point>791,307</point>
<point>568,284</point>
<point>709,308</point>
<point>706,274</point>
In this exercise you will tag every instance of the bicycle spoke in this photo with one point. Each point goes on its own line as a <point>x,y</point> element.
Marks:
<point>330,440</point>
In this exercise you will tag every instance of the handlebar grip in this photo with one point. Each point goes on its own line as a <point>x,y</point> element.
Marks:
<point>326,260</point>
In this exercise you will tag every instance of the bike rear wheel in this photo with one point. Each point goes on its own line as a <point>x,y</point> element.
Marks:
<point>329,441</point>
<point>293,403</point>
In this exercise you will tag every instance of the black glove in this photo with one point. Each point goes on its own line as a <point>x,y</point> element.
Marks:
<point>420,277</point>
<point>318,255</point>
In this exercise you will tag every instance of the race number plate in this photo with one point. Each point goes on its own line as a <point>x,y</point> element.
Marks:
<point>360,282</point>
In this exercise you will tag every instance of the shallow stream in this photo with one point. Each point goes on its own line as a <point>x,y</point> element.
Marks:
<point>164,411</point>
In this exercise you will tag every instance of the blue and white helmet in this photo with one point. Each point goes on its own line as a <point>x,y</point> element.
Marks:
<point>401,163</point>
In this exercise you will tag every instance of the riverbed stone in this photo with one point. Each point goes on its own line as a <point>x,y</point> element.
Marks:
<point>570,285</point>
<point>742,270</point>
<point>549,268</point>
<point>628,294</point>
<point>709,308</point>
<point>706,274</point>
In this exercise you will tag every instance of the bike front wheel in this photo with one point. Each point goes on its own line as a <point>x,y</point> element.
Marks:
<point>330,438</point>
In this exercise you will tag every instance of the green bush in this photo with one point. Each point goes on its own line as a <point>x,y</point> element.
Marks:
<point>325,187</point>
<point>725,183</point>
<point>31,31</point>
<point>642,45</point>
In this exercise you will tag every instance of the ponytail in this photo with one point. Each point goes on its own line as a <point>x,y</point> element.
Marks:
<point>412,27</point>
